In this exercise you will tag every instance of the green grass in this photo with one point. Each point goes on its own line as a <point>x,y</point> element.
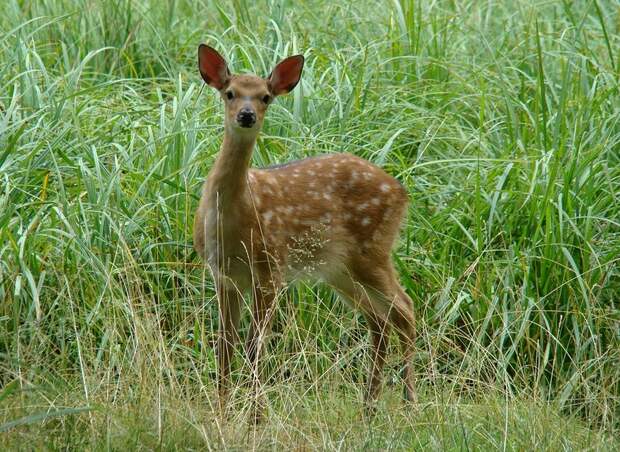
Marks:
<point>501,118</point>
<point>323,419</point>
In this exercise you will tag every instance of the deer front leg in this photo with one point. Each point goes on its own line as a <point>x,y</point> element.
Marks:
<point>229,300</point>
<point>263,311</point>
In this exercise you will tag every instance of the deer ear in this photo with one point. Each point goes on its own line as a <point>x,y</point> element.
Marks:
<point>286,75</point>
<point>212,67</point>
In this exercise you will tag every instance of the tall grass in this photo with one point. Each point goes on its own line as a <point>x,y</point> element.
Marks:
<point>501,118</point>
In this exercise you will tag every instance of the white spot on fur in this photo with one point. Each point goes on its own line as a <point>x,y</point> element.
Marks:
<point>375,201</point>
<point>327,196</point>
<point>365,221</point>
<point>267,216</point>
<point>362,206</point>
<point>385,187</point>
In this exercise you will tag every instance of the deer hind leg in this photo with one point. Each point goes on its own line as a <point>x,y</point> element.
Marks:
<point>358,296</point>
<point>379,337</point>
<point>403,319</point>
<point>390,300</point>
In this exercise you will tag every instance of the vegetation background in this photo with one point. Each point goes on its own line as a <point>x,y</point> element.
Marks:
<point>502,118</point>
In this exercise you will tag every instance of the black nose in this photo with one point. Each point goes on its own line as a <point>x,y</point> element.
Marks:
<point>246,117</point>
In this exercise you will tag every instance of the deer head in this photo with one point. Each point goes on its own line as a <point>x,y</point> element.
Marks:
<point>247,97</point>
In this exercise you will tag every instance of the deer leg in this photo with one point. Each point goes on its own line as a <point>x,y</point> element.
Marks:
<point>379,338</point>
<point>263,310</point>
<point>391,302</point>
<point>378,326</point>
<point>392,299</point>
<point>262,314</point>
<point>403,319</point>
<point>229,300</point>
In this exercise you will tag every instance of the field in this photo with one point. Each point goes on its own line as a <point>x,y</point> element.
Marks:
<point>501,118</point>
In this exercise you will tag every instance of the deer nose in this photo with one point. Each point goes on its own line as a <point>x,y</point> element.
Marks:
<point>246,117</point>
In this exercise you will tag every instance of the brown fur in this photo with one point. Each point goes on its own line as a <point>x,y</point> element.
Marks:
<point>334,217</point>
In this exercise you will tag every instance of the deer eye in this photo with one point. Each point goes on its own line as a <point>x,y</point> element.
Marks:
<point>229,95</point>
<point>266,98</point>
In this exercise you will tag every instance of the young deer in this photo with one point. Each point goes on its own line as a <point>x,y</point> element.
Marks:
<point>333,217</point>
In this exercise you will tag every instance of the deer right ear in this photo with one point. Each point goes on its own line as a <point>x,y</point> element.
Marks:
<point>286,75</point>
<point>212,67</point>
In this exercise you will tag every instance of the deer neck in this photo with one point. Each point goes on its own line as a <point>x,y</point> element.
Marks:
<point>228,178</point>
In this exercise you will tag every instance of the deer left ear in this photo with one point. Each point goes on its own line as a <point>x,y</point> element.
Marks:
<point>286,75</point>
<point>213,67</point>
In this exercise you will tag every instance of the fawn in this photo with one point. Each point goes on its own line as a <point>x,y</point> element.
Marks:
<point>333,217</point>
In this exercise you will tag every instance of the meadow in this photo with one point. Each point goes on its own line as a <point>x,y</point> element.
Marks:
<point>501,118</point>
